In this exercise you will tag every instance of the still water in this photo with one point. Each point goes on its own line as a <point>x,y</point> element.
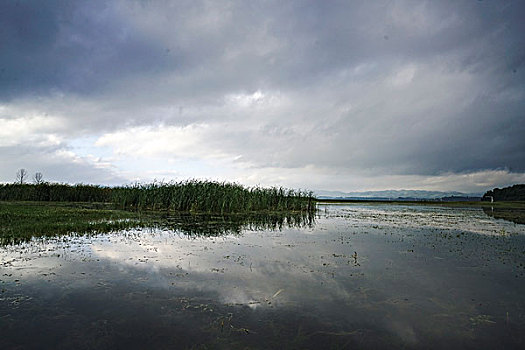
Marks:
<point>358,276</point>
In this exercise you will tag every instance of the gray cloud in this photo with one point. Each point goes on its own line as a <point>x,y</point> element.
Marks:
<point>57,165</point>
<point>361,88</point>
<point>70,47</point>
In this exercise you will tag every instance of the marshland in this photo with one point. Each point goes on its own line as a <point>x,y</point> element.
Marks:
<point>404,118</point>
<point>44,209</point>
<point>215,265</point>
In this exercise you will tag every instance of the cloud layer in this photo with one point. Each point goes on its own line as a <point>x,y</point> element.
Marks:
<point>344,96</point>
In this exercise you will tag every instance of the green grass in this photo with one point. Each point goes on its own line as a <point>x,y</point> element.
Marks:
<point>20,221</point>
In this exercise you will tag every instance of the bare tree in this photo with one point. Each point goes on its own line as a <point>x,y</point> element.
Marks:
<point>21,176</point>
<point>38,178</point>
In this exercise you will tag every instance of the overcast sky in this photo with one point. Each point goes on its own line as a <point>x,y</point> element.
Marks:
<point>333,95</point>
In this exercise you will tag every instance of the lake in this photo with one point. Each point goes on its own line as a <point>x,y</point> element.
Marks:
<point>356,276</point>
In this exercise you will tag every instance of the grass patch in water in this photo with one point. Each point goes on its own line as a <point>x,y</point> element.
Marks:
<point>20,221</point>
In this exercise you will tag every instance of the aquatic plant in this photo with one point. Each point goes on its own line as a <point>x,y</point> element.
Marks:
<point>185,196</point>
<point>211,197</point>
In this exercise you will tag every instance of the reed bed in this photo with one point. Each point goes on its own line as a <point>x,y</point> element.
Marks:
<point>187,196</point>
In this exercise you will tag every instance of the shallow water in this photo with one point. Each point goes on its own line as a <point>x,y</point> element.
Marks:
<point>361,276</point>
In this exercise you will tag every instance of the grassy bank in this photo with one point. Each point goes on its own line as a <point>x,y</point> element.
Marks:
<point>187,196</point>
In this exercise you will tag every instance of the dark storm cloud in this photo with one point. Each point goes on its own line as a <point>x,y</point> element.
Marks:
<point>362,87</point>
<point>69,47</point>
<point>84,46</point>
<point>74,46</point>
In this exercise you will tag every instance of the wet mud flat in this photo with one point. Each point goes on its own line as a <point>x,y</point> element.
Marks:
<point>362,276</point>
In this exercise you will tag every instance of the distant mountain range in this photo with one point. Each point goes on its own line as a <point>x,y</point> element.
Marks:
<point>394,194</point>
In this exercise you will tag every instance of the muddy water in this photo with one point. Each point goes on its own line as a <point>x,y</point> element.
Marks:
<point>361,276</point>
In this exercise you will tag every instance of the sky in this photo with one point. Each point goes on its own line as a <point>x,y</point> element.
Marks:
<point>319,95</point>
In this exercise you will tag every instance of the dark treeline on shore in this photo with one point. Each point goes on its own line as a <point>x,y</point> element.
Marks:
<point>186,196</point>
<point>54,192</point>
<point>512,193</point>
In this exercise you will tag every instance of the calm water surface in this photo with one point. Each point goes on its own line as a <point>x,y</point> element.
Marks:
<point>362,276</point>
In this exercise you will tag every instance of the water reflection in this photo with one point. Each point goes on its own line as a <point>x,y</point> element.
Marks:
<point>189,224</point>
<point>515,215</point>
<point>361,277</point>
<point>218,225</point>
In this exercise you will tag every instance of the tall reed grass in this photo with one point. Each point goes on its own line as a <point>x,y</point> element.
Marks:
<point>186,196</point>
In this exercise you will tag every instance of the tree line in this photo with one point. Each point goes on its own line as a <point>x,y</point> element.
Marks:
<point>512,193</point>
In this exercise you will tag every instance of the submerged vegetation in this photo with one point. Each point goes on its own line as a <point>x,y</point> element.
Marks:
<point>187,196</point>
<point>515,215</point>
